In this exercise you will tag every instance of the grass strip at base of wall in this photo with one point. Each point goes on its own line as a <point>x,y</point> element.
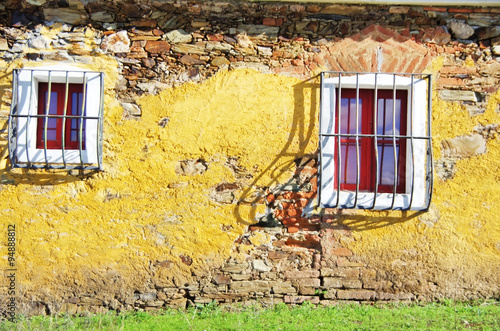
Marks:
<point>447,315</point>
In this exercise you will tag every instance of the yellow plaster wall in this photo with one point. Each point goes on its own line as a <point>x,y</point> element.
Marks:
<point>106,229</point>
<point>74,231</point>
<point>455,246</point>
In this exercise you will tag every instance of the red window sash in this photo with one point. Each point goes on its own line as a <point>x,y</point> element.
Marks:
<point>367,165</point>
<point>60,90</point>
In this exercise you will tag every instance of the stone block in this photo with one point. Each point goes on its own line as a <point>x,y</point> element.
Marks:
<point>250,286</point>
<point>309,282</point>
<point>332,282</point>
<point>340,272</point>
<point>464,146</point>
<point>157,46</point>
<point>302,274</point>
<point>366,273</point>
<point>304,290</point>
<point>222,279</point>
<point>352,283</point>
<point>364,295</point>
<point>297,299</point>
<point>377,285</point>
<point>260,266</point>
<point>66,15</point>
<point>458,95</point>
<point>283,288</point>
<point>385,296</point>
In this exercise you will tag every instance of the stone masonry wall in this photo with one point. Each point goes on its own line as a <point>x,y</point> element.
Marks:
<point>169,43</point>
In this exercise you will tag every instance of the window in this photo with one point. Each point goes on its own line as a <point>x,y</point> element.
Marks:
<point>375,142</point>
<point>56,118</point>
<point>53,128</point>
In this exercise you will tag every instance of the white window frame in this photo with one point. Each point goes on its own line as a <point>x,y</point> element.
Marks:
<point>27,83</point>
<point>417,117</point>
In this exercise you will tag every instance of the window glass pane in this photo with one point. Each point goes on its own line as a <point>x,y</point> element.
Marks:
<point>348,116</point>
<point>386,163</point>
<point>76,103</point>
<point>51,134</point>
<point>348,163</point>
<point>385,116</point>
<point>51,123</point>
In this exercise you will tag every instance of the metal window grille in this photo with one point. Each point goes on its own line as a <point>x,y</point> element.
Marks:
<point>330,134</point>
<point>25,117</point>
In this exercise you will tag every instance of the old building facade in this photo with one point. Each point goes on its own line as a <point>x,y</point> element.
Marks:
<point>203,184</point>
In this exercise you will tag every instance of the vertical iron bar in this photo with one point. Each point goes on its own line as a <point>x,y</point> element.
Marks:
<point>396,163</point>
<point>412,188</point>
<point>375,141</point>
<point>100,123</point>
<point>429,134</point>
<point>46,119</point>
<point>357,143</point>
<point>339,155</point>
<point>30,103</point>
<point>13,108</point>
<point>80,131</point>
<point>63,131</point>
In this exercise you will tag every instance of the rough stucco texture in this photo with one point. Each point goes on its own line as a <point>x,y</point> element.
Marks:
<point>245,126</point>
<point>248,128</point>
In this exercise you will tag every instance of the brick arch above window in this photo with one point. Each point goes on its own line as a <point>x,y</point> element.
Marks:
<point>375,49</point>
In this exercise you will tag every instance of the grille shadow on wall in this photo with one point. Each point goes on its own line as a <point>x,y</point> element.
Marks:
<point>305,192</point>
<point>282,163</point>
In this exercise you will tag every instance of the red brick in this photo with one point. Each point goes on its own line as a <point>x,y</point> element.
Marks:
<point>411,66</point>
<point>441,9</point>
<point>293,229</point>
<point>457,70</point>
<point>269,21</point>
<point>368,30</point>
<point>481,10</point>
<point>294,212</point>
<point>279,214</point>
<point>286,205</point>
<point>460,10</point>
<point>290,221</point>
<point>301,274</point>
<point>450,81</point>
<point>300,203</point>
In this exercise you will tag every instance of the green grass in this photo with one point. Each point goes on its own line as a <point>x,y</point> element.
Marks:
<point>443,316</point>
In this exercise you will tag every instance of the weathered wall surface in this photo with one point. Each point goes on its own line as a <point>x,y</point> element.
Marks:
<point>210,138</point>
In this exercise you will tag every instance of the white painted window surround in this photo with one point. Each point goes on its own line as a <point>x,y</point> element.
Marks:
<point>27,89</point>
<point>418,118</point>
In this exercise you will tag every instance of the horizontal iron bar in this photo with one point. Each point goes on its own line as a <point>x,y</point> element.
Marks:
<point>371,136</point>
<point>51,166</point>
<point>378,73</point>
<point>59,116</point>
